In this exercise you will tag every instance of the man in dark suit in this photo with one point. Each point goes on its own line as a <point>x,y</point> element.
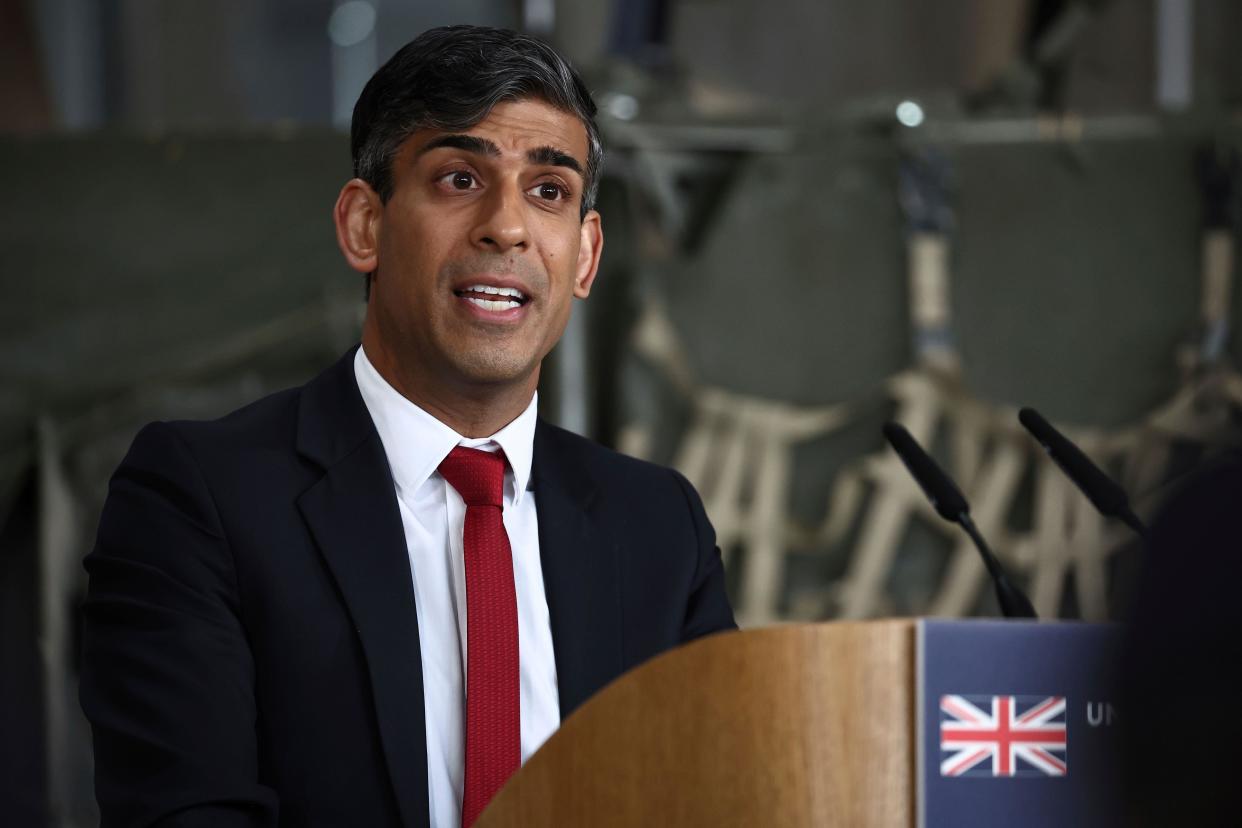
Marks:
<point>364,601</point>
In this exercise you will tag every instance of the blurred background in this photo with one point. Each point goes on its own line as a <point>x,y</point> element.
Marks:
<point>820,215</point>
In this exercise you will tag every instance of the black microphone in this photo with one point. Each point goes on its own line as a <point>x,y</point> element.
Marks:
<point>951,505</point>
<point>1103,492</point>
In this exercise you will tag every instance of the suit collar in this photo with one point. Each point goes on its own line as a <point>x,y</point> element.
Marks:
<point>353,515</point>
<point>581,568</point>
<point>332,419</point>
<point>559,464</point>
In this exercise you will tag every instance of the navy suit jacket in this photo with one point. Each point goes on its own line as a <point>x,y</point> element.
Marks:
<point>250,648</point>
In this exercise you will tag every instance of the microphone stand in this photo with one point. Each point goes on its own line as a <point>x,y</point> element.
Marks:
<point>1012,602</point>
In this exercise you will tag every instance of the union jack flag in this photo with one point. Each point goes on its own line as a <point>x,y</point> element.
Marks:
<point>1002,736</point>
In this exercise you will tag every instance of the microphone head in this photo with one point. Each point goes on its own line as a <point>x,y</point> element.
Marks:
<point>940,490</point>
<point>1109,498</point>
<point>1033,421</point>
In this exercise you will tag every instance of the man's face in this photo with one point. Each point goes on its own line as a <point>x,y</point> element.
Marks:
<point>481,248</point>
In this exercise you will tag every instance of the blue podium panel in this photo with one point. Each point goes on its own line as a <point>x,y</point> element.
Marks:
<point>1017,724</point>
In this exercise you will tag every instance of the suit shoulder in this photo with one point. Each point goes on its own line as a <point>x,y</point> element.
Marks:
<point>266,426</point>
<point>270,420</point>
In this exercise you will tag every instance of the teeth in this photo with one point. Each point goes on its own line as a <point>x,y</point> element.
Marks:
<point>496,291</point>
<point>489,305</point>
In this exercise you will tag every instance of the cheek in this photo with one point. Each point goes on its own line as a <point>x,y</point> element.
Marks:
<point>558,318</point>
<point>416,227</point>
<point>412,257</point>
<point>562,255</point>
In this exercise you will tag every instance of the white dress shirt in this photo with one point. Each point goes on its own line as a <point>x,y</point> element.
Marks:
<point>433,516</point>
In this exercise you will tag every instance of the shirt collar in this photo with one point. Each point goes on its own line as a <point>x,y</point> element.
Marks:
<point>416,442</point>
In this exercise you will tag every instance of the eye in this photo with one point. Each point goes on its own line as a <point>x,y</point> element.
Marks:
<point>549,191</point>
<point>460,180</point>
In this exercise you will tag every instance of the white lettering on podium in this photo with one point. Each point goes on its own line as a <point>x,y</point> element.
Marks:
<point>1100,714</point>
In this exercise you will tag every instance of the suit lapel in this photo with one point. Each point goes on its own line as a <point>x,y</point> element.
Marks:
<point>352,513</point>
<point>581,575</point>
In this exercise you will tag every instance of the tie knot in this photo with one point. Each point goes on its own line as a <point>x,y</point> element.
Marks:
<point>478,476</point>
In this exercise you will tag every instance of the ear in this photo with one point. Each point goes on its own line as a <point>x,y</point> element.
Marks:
<point>589,249</point>
<point>357,217</point>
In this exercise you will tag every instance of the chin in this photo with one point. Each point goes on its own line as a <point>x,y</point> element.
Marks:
<point>495,369</point>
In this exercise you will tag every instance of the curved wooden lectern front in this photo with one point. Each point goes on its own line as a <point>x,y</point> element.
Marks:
<point>797,725</point>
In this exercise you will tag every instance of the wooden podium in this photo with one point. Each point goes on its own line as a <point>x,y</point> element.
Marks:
<point>797,725</point>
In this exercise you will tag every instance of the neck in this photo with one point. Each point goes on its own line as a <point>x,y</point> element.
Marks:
<point>472,410</point>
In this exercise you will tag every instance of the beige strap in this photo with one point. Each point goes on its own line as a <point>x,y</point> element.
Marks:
<point>930,312</point>
<point>739,454</point>
<point>60,574</point>
<point>1217,274</point>
<point>765,541</point>
<point>739,451</point>
<point>655,339</point>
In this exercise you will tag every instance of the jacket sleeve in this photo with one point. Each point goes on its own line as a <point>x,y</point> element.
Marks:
<point>167,673</point>
<point>707,607</point>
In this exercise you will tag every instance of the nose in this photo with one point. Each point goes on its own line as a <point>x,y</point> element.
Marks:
<point>501,224</point>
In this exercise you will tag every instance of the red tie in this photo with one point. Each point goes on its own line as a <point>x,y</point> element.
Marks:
<point>493,721</point>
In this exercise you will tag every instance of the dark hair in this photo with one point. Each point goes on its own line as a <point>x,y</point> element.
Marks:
<point>450,78</point>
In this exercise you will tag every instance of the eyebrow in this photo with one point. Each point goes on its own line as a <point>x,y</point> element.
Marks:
<point>467,143</point>
<point>553,157</point>
<point>549,156</point>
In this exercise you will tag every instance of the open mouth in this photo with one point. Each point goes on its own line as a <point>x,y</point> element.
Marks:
<point>491,298</point>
